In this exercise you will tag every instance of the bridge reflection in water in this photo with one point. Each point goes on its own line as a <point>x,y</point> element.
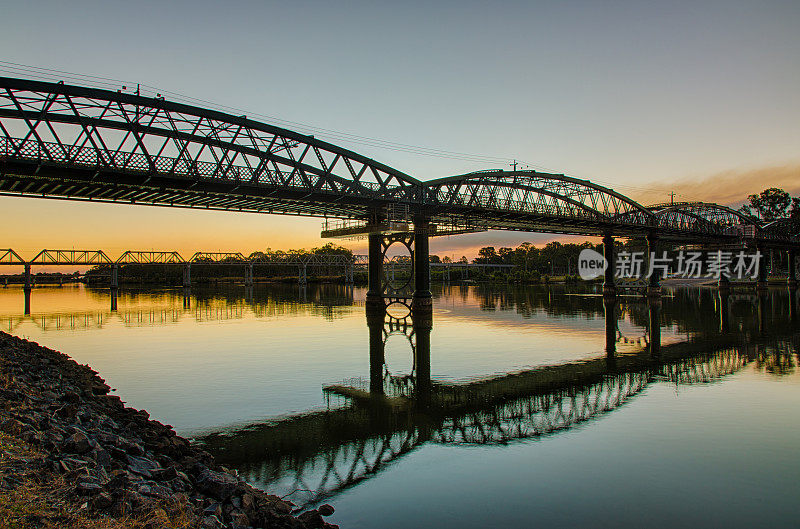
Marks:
<point>372,423</point>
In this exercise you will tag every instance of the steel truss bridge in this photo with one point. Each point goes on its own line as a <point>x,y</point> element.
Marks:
<point>81,143</point>
<point>72,142</point>
<point>300,262</point>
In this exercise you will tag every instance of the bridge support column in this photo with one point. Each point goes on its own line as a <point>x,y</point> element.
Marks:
<point>422,300</point>
<point>653,286</point>
<point>27,293</point>
<point>187,298</point>
<point>28,284</point>
<point>113,300</point>
<point>761,284</point>
<point>791,263</point>
<point>609,288</point>
<point>375,270</point>
<point>793,304</point>
<point>114,277</point>
<point>248,275</point>
<point>302,277</point>
<point>187,275</point>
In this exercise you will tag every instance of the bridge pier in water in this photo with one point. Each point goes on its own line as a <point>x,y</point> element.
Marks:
<point>609,288</point>
<point>28,283</point>
<point>248,275</point>
<point>27,293</point>
<point>653,286</point>
<point>761,283</point>
<point>791,264</point>
<point>114,280</point>
<point>421,297</point>
<point>187,275</point>
<point>422,301</point>
<point>374,271</point>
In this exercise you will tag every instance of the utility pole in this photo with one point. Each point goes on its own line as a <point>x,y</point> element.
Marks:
<point>514,165</point>
<point>672,198</point>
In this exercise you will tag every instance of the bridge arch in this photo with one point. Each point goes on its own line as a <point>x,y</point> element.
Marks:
<point>781,229</point>
<point>585,205</point>
<point>118,146</point>
<point>704,217</point>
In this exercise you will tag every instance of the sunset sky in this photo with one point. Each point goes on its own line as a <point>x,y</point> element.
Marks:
<point>699,98</point>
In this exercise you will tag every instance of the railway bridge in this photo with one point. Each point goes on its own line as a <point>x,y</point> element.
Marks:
<point>63,141</point>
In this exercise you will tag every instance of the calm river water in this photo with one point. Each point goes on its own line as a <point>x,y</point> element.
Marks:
<point>525,421</point>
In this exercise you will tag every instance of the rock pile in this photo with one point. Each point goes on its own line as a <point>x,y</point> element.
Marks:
<point>120,462</point>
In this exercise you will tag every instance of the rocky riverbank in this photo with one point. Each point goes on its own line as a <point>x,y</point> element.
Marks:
<point>72,455</point>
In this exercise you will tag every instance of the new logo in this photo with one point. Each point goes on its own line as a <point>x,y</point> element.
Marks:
<point>591,264</point>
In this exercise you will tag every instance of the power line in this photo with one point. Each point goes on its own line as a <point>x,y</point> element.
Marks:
<point>115,84</point>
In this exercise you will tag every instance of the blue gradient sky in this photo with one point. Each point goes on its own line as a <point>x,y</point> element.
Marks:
<point>644,97</point>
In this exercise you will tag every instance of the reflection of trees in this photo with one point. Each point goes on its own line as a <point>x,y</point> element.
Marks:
<point>777,359</point>
<point>690,311</point>
<point>163,307</point>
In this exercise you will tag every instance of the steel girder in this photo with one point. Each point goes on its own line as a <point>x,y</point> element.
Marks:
<point>71,257</point>
<point>98,257</point>
<point>9,256</point>
<point>74,142</point>
<point>300,259</point>
<point>218,258</point>
<point>137,257</point>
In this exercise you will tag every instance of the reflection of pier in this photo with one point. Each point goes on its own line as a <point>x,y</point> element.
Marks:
<point>317,455</point>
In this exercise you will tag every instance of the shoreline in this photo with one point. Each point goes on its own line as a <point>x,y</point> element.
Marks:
<point>73,455</point>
